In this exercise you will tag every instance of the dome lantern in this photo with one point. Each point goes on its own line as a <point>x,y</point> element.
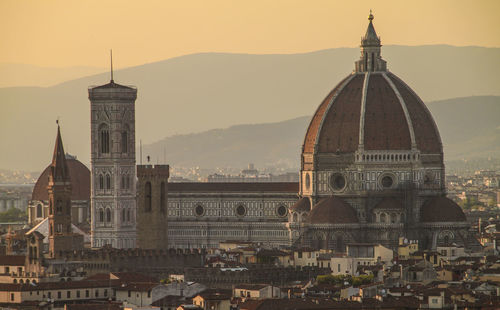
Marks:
<point>370,60</point>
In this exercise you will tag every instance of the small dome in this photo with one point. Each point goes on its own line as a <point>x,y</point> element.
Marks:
<point>441,209</point>
<point>332,210</point>
<point>303,205</point>
<point>389,203</point>
<point>80,181</point>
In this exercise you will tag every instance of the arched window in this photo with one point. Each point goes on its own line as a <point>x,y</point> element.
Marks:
<point>108,181</point>
<point>125,141</point>
<point>123,215</point>
<point>103,139</point>
<point>382,218</point>
<point>108,215</point>
<point>446,240</point>
<point>101,215</point>
<point>59,206</point>
<point>394,218</point>
<point>147,197</point>
<point>39,210</point>
<point>339,244</point>
<point>162,197</point>
<point>128,215</point>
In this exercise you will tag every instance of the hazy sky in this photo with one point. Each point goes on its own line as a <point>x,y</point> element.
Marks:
<point>74,33</point>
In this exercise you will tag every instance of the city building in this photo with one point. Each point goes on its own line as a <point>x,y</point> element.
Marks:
<point>113,188</point>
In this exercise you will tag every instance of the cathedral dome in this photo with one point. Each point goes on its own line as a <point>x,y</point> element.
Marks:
<point>372,110</point>
<point>441,209</point>
<point>332,210</point>
<point>80,181</point>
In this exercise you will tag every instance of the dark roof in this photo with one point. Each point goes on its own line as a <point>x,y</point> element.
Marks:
<point>302,205</point>
<point>441,209</point>
<point>332,210</point>
<point>58,167</point>
<point>112,84</point>
<point>216,294</point>
<point>385,123</point>
<point>110,305</point>
<point>389,203</point>
<point>291,187</point>
<point>12,260</point>
<point>139,287</point>
<point>80,182</point>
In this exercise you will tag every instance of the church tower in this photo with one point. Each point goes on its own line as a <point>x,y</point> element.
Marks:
<point>152,206</point>
<point>113,193</point>
<point>61,236</point>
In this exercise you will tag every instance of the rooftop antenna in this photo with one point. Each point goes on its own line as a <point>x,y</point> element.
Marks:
<point>111,54</point>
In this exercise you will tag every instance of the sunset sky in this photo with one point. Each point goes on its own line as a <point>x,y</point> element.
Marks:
<point>80,33</point>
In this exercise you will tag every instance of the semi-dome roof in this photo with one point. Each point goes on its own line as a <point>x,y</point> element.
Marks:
<point>302,205</point>
<point>372,109</point>
<point>80,181</point>
<point>332,210</point>
<point>441,209</point>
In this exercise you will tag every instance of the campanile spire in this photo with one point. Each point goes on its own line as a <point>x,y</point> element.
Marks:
<point>370,60</point>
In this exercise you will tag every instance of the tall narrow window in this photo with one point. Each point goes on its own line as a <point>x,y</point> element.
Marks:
<point>101,181</point>
<point>108,181</point>
<point>123,215</point>
<point>124,141</point>
<point>39,210</point>
<point>128,215</point>
<point>373,62</point>
<point>101,215</point>
<point>162,197</point>
<point>147,197</point>
<point>108,215</point>
<point>103,139</point>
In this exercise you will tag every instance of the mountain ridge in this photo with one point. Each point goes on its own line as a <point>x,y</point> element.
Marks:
<point>194,93</point>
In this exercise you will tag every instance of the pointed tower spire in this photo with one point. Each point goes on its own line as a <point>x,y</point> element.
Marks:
<point>59,167</point>
<point>370,51</point>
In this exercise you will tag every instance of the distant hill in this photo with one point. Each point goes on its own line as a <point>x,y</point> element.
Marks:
<point>195,93</point>
<point>469,128</point>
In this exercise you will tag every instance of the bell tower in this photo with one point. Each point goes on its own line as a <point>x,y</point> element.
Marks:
<point>113,193</point>
<point>61,236</point>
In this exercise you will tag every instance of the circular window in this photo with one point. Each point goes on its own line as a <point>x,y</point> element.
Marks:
<point>282,211</point>
<point>337,181</point>
<point>240,210</point>
<point>387,181</point>
<point>199,210</point>
<point>308,181</point>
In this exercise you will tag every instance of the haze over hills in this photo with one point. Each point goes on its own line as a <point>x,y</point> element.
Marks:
<point>16,75</point>
<point>469,128</point>
<point>199,92</point>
